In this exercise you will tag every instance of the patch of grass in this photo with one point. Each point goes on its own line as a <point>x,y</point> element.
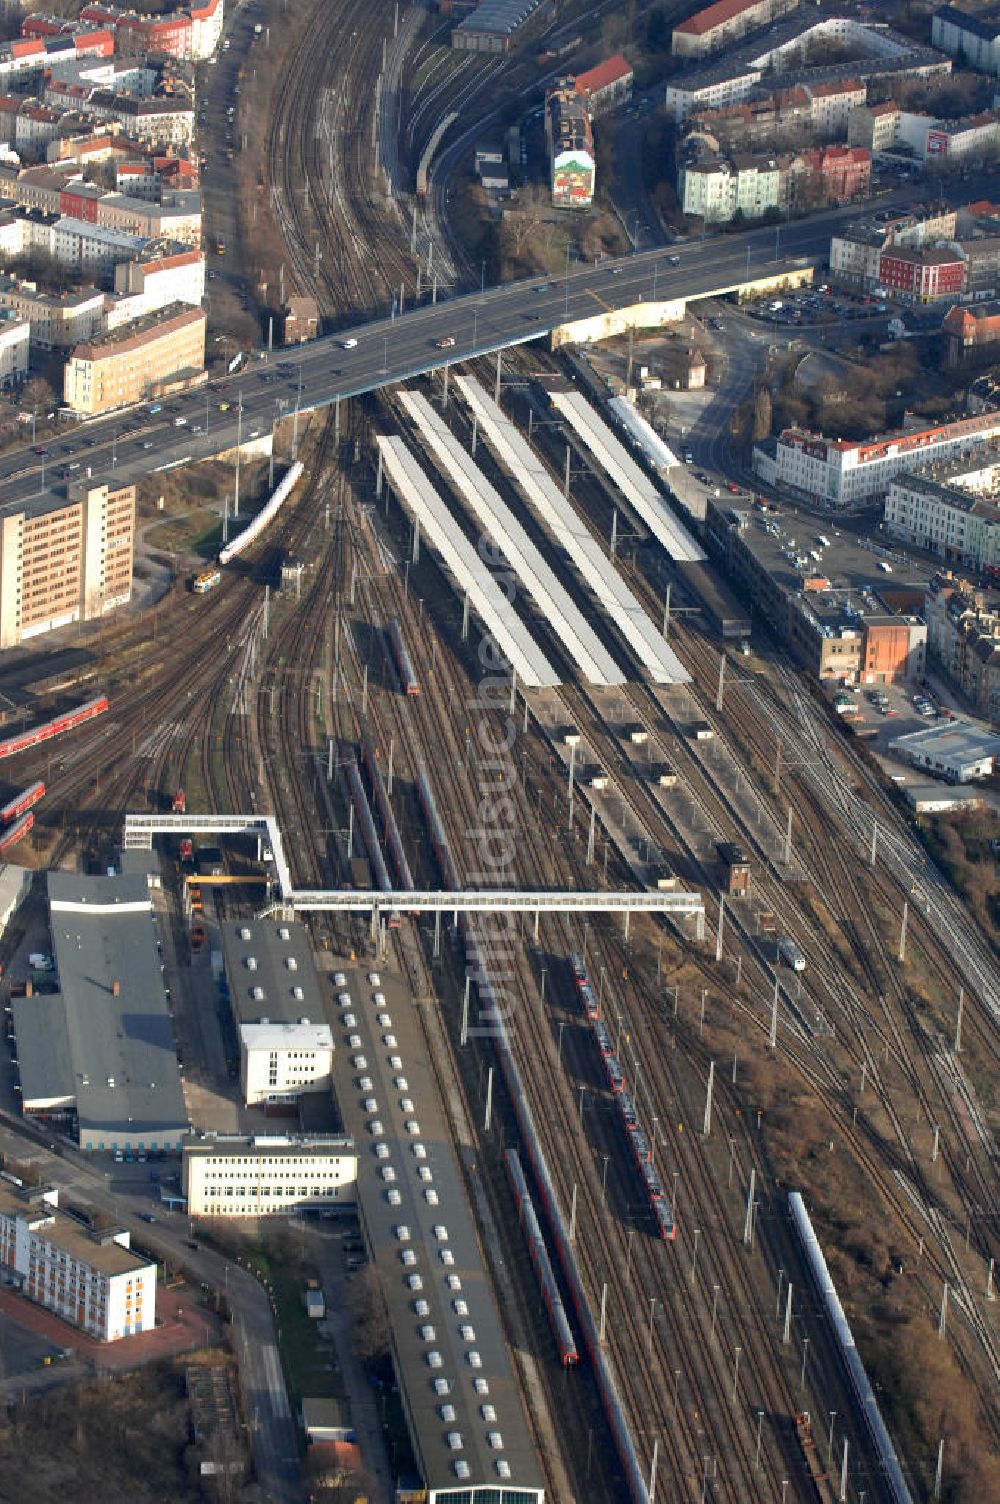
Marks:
<point>194,530</point>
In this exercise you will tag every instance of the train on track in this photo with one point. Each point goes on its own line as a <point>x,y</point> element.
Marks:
<point>16,832</point>
<point>269,510</point>
<point>369,835</point>
<point>408,681</point>
<point>569,1357</point>
<point>642,1150</point>
<point>439,841</point>
<point>66,722</point>
<point>206,580</point>
<point>21,802</point>
<point>393,839</point>
<point>861,1385</point>
<point>634,1470</point>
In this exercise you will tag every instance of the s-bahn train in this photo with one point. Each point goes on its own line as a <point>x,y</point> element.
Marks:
<point>569,1357</point>
<point>634,1468</point>
<point>642,1150</point>
<point>16,832</point>
<point>21,802</point>
<point>55,727</point>
<point>408,681</point>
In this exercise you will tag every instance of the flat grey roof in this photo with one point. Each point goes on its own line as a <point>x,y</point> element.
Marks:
<point>115,1026</point>
<point>380,1220</point>
<point>43,1056</point>
<point>956,741</point>
<point>271,944</point>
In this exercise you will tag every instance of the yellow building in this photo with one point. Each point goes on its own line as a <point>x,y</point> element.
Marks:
<point>64,560</point>
<point>137,361</point>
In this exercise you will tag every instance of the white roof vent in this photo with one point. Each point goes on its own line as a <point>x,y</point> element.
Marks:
<point>298,995</point>
<point>251,963</point>
<point>284,933</point>
<point>291,963</point>
<point>257,993</point>
<point>245,933</point>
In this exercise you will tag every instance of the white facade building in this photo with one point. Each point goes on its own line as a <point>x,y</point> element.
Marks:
<point>845,474</point>
<point>267,1175</point>
<point>955,518</point>
<point>91,251</point>
<point>92,1280</point>
<point>15,336</point>
<point>972,38</point>
<point>280,1061</point>
<point>206,27</point>
<point>717,188</point>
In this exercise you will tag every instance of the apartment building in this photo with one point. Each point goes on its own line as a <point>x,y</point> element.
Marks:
<point>781,117</point>
<point>873,126</point>
<point>90,252</point>
<point>54,319</point>
<point>64,559</point>
<point>844,473</point>
<point>718,188</point>
<point>950,510</point>
<point>191,31</point>
<point>782,51</point>
<point>971,331</point>
<point>722,24</point>
<point>136,361</point>
<point>159,278</point>
<point>606,86</point>
<point>963,639</point>
<point>856,252</point>
<point>15,338</point>
<point>91,1279</point>
<point>268,1175</point>
<point>571,148</point>
<point>976,41</point>
<point>922,274</point>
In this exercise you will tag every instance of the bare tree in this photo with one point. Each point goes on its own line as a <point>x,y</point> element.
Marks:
<point>762,413</point>
<point>369,1315</point>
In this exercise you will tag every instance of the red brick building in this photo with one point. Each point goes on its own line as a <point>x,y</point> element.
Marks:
<point>967,330</point>
<point>921,275</point>
<point>845,172</point>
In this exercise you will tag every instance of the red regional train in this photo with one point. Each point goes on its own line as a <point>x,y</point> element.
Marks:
<point>66,722</point>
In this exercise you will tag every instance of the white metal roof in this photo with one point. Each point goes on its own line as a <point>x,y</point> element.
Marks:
<point>490,602</point>
<point>645,435</point>
<point>492,512</point>
<point>562,521</point>
<point>635,486</point>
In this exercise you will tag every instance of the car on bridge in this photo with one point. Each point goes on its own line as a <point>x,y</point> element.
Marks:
<point>446,342</point>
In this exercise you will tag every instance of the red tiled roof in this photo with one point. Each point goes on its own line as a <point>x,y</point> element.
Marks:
<point>714,15</point>
<point>846,86</point>
<point>608,72</point>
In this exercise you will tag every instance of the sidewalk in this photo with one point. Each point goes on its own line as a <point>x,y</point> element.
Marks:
<point>181,1327</point>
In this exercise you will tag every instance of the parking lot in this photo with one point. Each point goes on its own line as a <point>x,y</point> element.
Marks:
<point>819,305</point>
<point>882,712</point>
